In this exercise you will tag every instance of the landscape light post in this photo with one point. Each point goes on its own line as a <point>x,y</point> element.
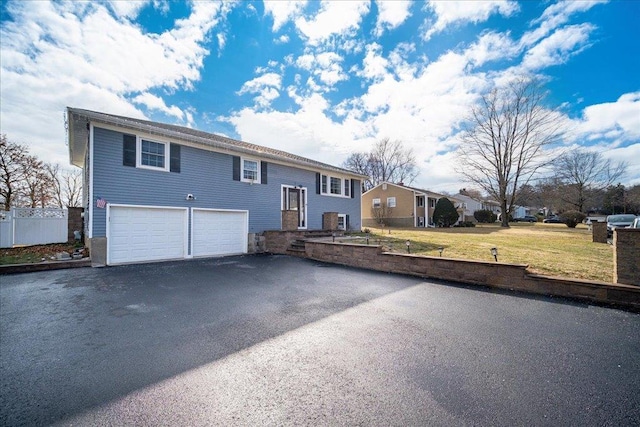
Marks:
<point>408,243</point>
<point>440,249</point>
<point>494,252</point>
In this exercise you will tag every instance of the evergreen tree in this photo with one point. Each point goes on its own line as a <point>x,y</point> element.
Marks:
<point>445,214</point>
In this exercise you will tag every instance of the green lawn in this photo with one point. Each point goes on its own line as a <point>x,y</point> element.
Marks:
<point>549,249</point>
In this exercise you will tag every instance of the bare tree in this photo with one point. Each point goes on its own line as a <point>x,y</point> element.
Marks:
<point>12,157</point>
<point>388,161</point>
<point>471,192</point>
<point>381,213</point>
<point>72,187</point>
<point>583,172</point>
<point>503,146</point>
<point>38,184</point>
<point>54,175</point>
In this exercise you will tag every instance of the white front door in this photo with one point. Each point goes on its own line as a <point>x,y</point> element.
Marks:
<point>295,199</point>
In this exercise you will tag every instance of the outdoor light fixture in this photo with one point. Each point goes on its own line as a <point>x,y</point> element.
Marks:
<point>408,243</point>
<point>440,249</point>
<point>367,240</point>
<point>494,252</point>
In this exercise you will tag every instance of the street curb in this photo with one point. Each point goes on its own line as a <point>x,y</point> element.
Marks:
<point>44,266</point>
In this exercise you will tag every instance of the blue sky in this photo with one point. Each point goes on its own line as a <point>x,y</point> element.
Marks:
<point>321,79</point>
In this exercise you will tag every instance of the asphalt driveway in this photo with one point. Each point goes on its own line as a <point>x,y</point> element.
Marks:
<point>274,340</point>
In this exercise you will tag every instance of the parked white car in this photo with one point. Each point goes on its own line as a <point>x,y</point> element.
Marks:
<point>635,223</point>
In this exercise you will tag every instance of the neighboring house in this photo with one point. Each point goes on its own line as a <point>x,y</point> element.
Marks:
<point>397,205</point>
<point>154,191</point>
<point>468,205</point>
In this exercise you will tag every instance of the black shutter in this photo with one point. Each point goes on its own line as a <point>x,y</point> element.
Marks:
<point>317,183</point>
<point>353,187</point>
<point>236,168</point>
<point>129,150</point>
<point>346,222</point>
<point>263,172</point>
<point>174,154</point>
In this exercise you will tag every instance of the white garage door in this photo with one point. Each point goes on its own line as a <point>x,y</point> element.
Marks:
<point>219,232</point>
<point>137,234</point>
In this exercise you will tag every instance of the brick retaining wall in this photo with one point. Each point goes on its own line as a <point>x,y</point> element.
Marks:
<point>626,256</point>
<point>493,274</point>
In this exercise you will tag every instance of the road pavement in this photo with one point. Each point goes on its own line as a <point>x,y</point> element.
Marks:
<point>276,340</point>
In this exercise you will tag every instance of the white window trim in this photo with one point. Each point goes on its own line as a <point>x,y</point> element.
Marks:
<point>373,202</point>
<point>389,199</point>
<point>328,192</point>
<point>167,154</point>
<point>258,172</point>
<point>344,221</point>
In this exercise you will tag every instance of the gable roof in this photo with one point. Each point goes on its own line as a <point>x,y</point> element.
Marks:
<point>78,134</point>
<point>414,189</point>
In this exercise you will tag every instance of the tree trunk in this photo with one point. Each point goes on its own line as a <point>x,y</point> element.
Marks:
<point>505,213</point>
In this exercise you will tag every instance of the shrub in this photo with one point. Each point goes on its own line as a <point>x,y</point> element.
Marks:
<point>485,216</point>
<point>572,218</point>
<point>445,214</point>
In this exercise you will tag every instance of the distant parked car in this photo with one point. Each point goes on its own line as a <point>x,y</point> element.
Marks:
<point>619,221</point>
<point>526,218</point>
<point>553,220</point>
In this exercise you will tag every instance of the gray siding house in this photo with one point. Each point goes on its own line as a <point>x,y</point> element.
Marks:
<point>155,191</point>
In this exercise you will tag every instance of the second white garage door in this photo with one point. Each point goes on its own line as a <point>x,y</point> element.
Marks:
<point>141,233</point>
<point>219,232</point>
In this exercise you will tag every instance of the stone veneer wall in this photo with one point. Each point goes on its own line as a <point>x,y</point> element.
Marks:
<point>493,274</point>
<point>626,256</point>
<point>289,220</point>
<point>278,242</point>
<point>330,221</point>
<point>599,232</point>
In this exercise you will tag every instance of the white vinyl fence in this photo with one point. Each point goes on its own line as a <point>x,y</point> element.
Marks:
<point>33,226</point>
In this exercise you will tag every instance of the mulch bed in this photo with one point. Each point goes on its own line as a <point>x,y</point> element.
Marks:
<point>37,252</point>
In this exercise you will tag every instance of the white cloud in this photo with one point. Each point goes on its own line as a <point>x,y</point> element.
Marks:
<point>558,47</point>
<point>58,54</point>
<point>391,14</point>
<point>265,86</point>
<point>127,9</point>
<point>341,18</point>
<point>283,11</point>
<point>326,66</point>
<point>459,12</point>
<point>491,46</point>
<point>374,65</point>
<point>153,102</point>
<point>622,117</point>
<point>630,155</point>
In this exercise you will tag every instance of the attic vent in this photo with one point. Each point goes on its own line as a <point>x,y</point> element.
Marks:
<point>384,186</point>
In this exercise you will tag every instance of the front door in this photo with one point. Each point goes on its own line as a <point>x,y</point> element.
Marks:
<point>295,199</point>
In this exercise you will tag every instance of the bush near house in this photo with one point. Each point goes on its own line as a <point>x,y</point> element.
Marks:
<point>445,213</point>
<point>485,216</point>
<point>572,218</point>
